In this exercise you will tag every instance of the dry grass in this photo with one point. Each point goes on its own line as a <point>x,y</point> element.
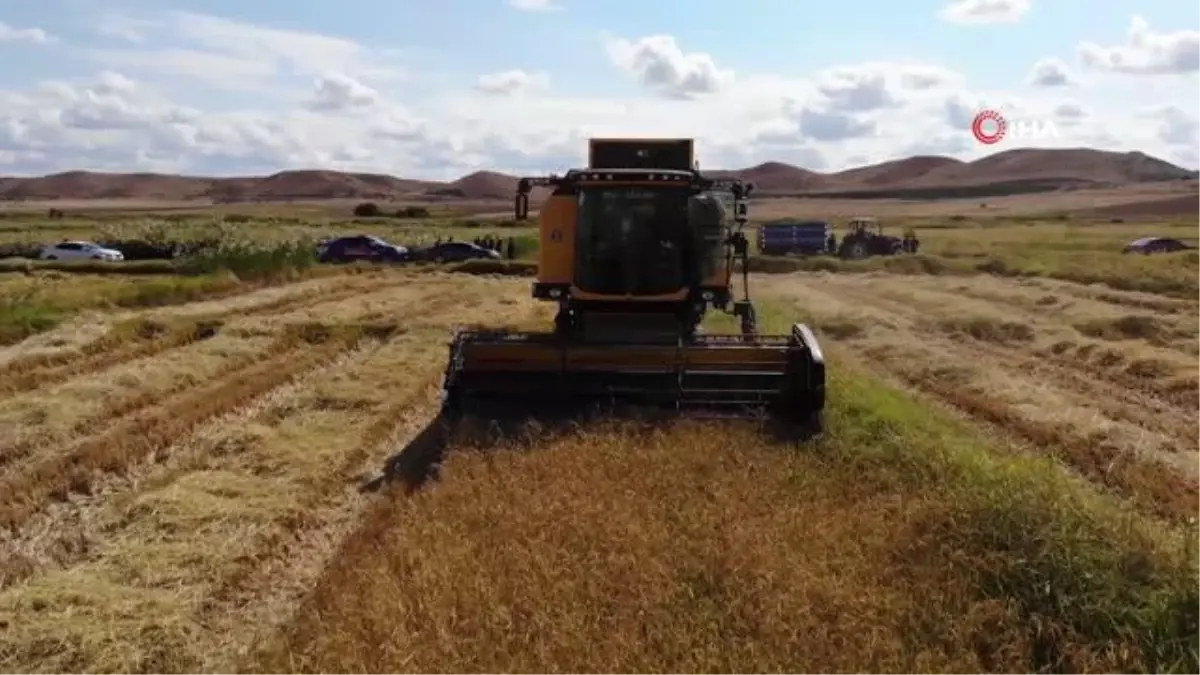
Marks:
<point>184,500</point>
<point>896,544</point>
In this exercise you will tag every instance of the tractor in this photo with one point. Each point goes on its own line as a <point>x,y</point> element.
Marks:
<point>865,238</point>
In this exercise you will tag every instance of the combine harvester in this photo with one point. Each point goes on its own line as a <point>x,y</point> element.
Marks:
<point>635,249</point>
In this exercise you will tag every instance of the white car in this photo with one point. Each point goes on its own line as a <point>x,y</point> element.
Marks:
<point>80,250</point>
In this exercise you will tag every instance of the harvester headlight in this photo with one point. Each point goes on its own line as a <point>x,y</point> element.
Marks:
<point>555,292</point>
<point>707,295</point>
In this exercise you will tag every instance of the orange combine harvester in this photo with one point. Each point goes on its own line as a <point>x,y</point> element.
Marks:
<point>635,250</point>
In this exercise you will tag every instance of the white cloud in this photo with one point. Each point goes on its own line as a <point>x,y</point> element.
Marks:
<point>1146,52</point>
<point>233,55</point>
<point>509,82</point>
<point>659,64</point>
<point>534,5</point>
<point>1177,127</point>
<point>31,35</point>
<point>922,77</point>
<point>822,125</point>
<point>1051,73</point>
<point>288,99</point>
<point>335,92</point>
<point>1069,110</point>
<point>856,90</point>
<point>984,11</point>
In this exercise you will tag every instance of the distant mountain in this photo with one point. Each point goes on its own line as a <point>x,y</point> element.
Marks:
<point>893,172</point>
<point>780,177</point>
<point>1011,171</point>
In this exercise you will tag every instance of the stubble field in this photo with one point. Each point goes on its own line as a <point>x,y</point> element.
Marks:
<point>1008,482</point>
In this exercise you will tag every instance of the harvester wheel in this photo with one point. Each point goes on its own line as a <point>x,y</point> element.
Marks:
<point>855,251</point>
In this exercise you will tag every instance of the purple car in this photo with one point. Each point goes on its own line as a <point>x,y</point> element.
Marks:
<point>1148,245</point>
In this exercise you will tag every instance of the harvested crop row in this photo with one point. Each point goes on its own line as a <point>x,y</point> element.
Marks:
<point>298,350</point>
<point>59,536</point>
<point>52,417</point>
<point>1010,346</point>
<point>1094,425</point>
<point>147,336</point>
<point>46,421</point>
<point>220,538</point>
<point>1017,347</point>
<point>68,533</point>
<point>1147,348</point>
<point>1154,485</point>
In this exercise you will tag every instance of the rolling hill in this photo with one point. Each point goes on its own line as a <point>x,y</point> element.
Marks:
<point>1008,172</point>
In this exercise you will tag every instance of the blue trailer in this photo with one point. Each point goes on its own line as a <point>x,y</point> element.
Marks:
<point>791,236</point>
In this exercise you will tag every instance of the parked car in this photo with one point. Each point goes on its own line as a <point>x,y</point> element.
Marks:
<point>458,251</point>
<point>1148,245</point>
<point>80,250</point>
<point>360,248</point>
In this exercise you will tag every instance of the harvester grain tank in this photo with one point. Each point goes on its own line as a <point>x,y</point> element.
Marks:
<point>635,250</point>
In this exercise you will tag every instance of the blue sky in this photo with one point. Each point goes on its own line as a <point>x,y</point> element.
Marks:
<point>421,61</point>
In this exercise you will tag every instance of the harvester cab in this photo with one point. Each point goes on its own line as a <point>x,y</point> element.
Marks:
<point>865,226</point>
<point>635,249</point>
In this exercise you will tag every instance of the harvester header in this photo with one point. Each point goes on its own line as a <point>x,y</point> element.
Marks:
<point>635,250</point>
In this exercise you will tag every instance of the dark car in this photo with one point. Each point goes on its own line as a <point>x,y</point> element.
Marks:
<point>458,251</point>
<point>1148,245</point>
<point>360,248</point>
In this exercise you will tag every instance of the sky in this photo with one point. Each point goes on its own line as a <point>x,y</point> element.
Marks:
<point>437,89</point>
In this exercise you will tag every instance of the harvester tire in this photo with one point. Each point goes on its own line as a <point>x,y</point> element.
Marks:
<point>855,251</point>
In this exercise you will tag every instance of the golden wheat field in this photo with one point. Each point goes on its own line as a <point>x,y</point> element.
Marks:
<point>1004,484</point>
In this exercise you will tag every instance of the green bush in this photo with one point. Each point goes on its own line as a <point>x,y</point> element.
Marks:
<point>367,210</point>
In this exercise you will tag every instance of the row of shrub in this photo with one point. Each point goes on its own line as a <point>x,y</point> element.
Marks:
<point>373,210</point>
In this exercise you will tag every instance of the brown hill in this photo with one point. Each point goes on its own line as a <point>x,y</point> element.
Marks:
<point>311,184</point>
<point>1069,167</point>
<point>484,185</point>
<point>93,185</point>
<point>1012,171</point>
<point>780,177</point>
<point>893,172</point>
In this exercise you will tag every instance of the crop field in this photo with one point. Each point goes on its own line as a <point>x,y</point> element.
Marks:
<point>1007,481</point>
